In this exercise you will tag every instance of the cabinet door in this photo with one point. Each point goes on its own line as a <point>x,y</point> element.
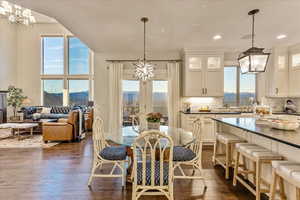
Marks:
<point>209,131</point>
<point>294,74</point>
<point>214,76</point>
<point>193,76</point>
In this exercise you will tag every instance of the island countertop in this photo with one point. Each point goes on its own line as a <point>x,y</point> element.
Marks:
<point>291,138</point>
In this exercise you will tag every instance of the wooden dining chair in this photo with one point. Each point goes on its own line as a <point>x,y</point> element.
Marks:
<point>104,154</point>
<point>152,165</point>
<point>190,156</point>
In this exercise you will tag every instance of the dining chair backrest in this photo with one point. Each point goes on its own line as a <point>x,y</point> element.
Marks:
<point>153,155</point>
<point>98,135</point>
<point>198,137</point>
<point>138,122</point>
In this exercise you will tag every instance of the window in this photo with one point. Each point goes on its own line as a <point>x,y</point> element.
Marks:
<point>160,99</point>
<point>66,80</point>
<point>238,87</point>
<point>230,86</point>
<point>53,92</point>
<point>78,57</point>
<point>296,60</point>
<point>131,103</point>
<point>78,92</point>
<point>247,88</point>
<point>53,55</point>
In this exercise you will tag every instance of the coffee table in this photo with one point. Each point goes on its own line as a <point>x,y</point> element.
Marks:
<point>17,128</point>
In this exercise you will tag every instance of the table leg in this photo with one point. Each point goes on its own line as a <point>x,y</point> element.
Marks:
<point>18,134</point>
<point>31,132</point>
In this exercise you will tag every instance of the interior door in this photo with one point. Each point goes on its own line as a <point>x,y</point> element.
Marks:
<point>144,97</point>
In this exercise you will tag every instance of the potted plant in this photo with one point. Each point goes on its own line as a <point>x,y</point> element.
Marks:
<point>153,120</point>
<point>15,99</point>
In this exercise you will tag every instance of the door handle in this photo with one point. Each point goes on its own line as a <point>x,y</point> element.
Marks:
<point>202,90</point>
<point>205,90</point>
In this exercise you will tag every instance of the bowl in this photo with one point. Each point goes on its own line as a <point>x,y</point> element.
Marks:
<point>284,125</point>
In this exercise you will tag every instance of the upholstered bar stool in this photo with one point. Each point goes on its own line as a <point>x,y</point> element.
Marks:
<point>228,140</point>
<point>258,156</point>
<point>288,171</point>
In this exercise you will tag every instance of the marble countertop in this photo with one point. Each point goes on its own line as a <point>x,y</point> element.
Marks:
<point>291,138</point>
<point>214,112</point>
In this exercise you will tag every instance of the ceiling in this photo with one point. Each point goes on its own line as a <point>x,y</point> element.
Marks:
<point>114,25</point>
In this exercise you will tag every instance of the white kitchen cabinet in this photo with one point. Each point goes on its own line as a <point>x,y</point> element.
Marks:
<point>278,73</point>
<point>294,73</point>
<point>203,74</point>
<point>208,125</point>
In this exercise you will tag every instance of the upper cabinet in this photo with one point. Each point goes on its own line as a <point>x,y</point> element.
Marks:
<point>278,73</point>
<point>294,72</point>
<point>203,74</point>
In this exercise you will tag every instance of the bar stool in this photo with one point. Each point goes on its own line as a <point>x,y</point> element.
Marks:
<point>259,156</point>
<point>228,140</point>
<point>288,171</point>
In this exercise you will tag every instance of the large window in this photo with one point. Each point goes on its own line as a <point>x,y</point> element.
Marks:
<point>66,71</point>
<point>78,57</point>
<point>238,87</point>
<point>53,92</point>
<point>78,92</point>
<point>160,99</point>
<point>53,55</point>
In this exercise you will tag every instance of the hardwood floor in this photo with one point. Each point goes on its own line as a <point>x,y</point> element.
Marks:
<point>62,171</point>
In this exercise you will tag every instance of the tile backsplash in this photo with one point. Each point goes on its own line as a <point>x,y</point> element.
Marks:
<point>198,102</point>
<point>277,104</point>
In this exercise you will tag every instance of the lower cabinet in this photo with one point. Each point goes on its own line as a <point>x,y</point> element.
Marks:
<point>208,130</point>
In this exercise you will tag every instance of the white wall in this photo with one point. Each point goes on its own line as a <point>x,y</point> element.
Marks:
<point>29,57</point>
<point>8,54</point>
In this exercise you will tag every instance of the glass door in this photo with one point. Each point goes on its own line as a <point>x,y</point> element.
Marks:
<point>131,100</point>
<point>144,97</point>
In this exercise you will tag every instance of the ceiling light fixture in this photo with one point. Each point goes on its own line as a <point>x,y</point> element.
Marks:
<point>282,36</point>
<point>16,14</point>
<point>217,37</point>
<point>144,69</point>
<point>254,60</point>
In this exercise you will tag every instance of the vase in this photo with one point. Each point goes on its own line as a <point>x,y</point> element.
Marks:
<point>153,125</point>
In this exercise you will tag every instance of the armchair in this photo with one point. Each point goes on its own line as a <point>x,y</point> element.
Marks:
<point>63,130</point>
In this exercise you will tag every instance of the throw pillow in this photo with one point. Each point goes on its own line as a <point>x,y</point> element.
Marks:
<point>46,110</point>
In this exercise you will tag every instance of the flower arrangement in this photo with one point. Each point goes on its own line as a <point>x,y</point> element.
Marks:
<point>153,117</point>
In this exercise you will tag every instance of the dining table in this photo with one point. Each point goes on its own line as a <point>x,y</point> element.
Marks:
<point>179,136</point>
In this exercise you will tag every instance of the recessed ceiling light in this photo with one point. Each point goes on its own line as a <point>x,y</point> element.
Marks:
<point>217,37</point>
<point>282,36</point>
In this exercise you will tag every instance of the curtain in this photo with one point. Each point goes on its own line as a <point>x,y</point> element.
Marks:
<point>174,94</point>
<point>115,101</point>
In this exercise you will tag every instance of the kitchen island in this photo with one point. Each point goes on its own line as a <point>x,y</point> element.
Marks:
<point>285,143</point>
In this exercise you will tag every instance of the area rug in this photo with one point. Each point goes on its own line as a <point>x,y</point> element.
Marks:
<point>31,142</point>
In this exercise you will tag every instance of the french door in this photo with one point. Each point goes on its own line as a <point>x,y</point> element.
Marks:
<point>144,97</point>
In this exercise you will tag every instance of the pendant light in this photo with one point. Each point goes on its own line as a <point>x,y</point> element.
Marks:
<point>144,69</point>
<point>254,60</point>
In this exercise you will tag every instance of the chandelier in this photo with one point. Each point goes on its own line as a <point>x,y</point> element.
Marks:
<point>143,69</point>
<point>16,14</point>
<point>254,60</point>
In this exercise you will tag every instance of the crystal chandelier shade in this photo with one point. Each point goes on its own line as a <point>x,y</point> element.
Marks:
<point>16,14</point>
<point>254,60</point>
<point>143,69</point>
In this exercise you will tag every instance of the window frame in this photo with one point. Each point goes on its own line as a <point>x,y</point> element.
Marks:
<point>66,76</point>
<point>238,84</point>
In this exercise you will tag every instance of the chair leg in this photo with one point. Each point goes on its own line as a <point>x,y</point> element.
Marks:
<point>297,194</point>
<point>273,185</point>
<point>236,167</point>
<point>92,173</point>
<point>227,160</point>
<point>281,187</point>
<point>258,174</point>
<point>123,175</point>
<point>215,152</point>
<point>245,167</point>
